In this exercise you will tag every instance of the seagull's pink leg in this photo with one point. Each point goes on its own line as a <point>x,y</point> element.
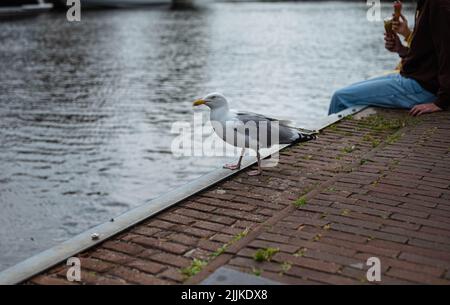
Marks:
<point>238,165</point>
<point>259,170</point>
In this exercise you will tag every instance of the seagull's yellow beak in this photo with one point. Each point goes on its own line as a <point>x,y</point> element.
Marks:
<point>199,102</point>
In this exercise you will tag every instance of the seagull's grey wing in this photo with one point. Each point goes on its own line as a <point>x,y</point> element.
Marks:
<point>281,122</point>
<point>286,134</point>
<point>251,115</point>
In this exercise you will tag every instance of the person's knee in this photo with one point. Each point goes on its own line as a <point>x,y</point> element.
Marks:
<point>335,103</point>
<point>343,93</point>
<point>340,100</point>
<point>338,97</point>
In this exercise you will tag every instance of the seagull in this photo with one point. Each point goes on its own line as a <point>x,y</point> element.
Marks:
<point>223,119</point>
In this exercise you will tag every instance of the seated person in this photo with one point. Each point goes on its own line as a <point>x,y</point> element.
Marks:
<point>423,83</point>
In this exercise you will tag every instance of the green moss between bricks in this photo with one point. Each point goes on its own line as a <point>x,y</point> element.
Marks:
<point>219,251</point>
<point>301,252</point>
<point>256,271</point>
<point>349,149</point>
<point>364,161</point>
<point>380,122</point>
<point>332,127</point>
<point>331,189</point>
<point>317,237</point>
<point>197,265</point>
<point>285,267</point>
<point>345,212</point>
<point>222,249</point>
<point>369,138</point>
<point>393,138</point>
<point>300,202</point>
<point>263,255</point>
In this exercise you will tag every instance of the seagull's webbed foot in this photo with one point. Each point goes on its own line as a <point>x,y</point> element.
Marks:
<point>235,166</point>
<point>255,172</point>
<point>232,166</point>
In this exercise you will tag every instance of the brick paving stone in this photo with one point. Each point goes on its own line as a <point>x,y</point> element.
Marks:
<point>172,274</point>
<point>48,280</point>
<point>163,245</point>
<point>128,248</point>
<point>94,265</point>
<point>134,276</point>
<point>416,277</point>
<point>147,266</point>
<point>92,278</point>
<point>171,260</point>
<point>111,256</point>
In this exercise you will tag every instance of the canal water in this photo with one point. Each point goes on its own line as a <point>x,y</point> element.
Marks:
<point>86,108</point>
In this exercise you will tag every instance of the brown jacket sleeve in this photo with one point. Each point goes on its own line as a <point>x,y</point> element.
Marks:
<point>440,27</point>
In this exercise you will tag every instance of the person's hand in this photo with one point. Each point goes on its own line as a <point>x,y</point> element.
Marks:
<point>424,108</point>
<point>392,43</point>
<point>401,26</point>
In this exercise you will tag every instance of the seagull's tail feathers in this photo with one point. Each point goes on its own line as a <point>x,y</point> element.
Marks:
<point>304,138</point>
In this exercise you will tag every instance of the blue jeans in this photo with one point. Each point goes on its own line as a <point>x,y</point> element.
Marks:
<point>389,91</point>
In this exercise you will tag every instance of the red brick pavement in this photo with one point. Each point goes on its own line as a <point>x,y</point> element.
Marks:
<point>372,187</point>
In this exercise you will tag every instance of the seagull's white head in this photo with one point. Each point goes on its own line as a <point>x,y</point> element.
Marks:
<point>213,100</point>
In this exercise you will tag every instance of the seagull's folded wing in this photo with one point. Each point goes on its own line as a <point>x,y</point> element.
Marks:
<point>285,130</point>
<point>247,116</point>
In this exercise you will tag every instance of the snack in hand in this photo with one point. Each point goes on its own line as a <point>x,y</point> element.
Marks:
<point>388,26</point>
<point>397,10</point>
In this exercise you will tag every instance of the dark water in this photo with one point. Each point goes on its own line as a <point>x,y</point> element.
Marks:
<point>86,108</point>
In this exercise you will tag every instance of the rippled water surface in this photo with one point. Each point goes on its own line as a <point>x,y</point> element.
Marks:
<point>86,108</point>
